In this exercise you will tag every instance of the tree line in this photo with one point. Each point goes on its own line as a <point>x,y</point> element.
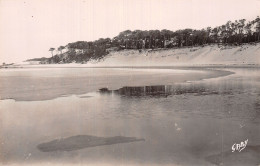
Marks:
<point>231,33</point>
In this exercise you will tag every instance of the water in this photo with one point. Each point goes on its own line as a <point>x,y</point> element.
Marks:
<point>181,119</point>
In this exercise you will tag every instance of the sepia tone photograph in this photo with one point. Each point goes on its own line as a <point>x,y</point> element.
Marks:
<point>130,82</point>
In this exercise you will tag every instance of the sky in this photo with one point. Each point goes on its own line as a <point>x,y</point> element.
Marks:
<point>28,28</point>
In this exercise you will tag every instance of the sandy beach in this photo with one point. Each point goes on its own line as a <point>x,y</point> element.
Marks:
<point>173,114</point>
<point>129,83</point>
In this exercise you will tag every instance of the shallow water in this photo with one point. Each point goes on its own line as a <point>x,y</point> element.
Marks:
<point>181,123</point>
<point>45,84</point>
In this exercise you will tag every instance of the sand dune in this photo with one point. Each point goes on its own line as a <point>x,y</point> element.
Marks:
<point>207,55</point>
<point>247,54</point>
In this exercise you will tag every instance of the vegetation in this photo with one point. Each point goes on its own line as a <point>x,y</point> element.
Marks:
<point>52,49</point>
<point>231,33</point>
<point>37,59</point>
<point>61,48</point>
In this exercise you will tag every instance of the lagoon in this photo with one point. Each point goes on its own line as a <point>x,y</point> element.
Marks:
<point>183,116</point>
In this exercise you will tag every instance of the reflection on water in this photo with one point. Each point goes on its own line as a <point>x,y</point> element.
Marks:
<point>162,90</point>
<point>217,98</point>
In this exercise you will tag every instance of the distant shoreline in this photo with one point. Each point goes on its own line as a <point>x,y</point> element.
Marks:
<point>211,56</point>
<point>134,67</point>
<point>246,55</point>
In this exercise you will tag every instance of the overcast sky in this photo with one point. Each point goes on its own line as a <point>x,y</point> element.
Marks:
<point>28,28</point>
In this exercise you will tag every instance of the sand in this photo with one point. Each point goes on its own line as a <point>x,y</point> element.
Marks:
<point>208,55</point>
<point>244,55</point>
<point>184,129</point>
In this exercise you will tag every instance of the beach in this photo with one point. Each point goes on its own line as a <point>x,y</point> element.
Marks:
<point>129,83</point>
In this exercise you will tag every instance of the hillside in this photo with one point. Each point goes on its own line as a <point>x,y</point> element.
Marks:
<point>247,54</point>
<point>207,55</point>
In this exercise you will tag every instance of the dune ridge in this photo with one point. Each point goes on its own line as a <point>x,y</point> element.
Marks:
<point>207,55</point>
